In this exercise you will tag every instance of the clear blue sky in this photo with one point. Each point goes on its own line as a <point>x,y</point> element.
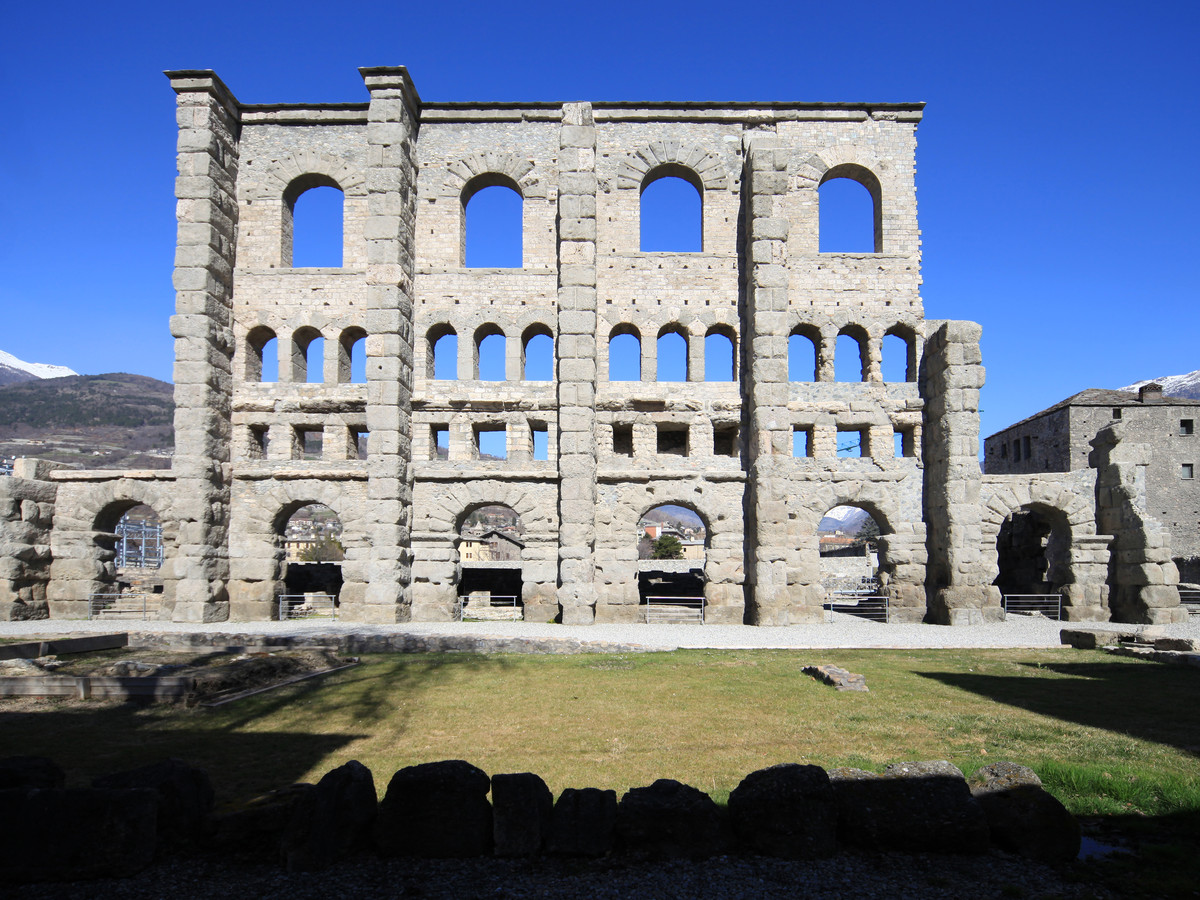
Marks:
<point>1054,189</point>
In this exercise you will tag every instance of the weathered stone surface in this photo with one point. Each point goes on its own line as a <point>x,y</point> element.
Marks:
<point>838,677</point>
<point>583,823</point>
<point>669,819</point>
<point>185,795</point>
<point>331,820</point>
<point>1022,817</point>
<point>255,830</point>
<point>30,772</point>
<point>1089,638</point>
<point>436,810</point>
<point>522,807</point>
<point>788,811</point>
<point>71,835</point>
<point>914,806</point>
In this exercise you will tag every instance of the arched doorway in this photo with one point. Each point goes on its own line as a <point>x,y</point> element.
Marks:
<point>672,545</point>
<point>1033,555</point>
<point>851,575</point>
<point>491,539</point>
<point>313,554</point>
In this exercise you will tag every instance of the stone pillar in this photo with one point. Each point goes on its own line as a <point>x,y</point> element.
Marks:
<point>392,122</point>
<point>576,346</point>
<point>26,513</point>
<point>1143,580</point>
<point>206,189</point>
<point>783,590</point>
<point>951,376</point>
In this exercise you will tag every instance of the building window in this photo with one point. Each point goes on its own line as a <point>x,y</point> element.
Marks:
<point>439,441</point>
<point>491,442</point>
<point>623,440</point>
<point>672,439</point>
<point>852,442</point>
<point>260,441</point>
<point>1017,450</point>
<point>309,440</point>
<point>1004,450</point>
<point>801,442</point>
<point>540,434</point>
<point>1025,448</point>
<point>904,442</point>
<point>359,440</point>
<point>1187,426</point>
<point>725,440</point>
<point>1186,472</point>
<point>1116,412</point>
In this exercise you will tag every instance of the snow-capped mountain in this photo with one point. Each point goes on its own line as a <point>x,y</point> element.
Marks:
<point>846,519</point>
<point>13,370</point>
<point>1174,385</point>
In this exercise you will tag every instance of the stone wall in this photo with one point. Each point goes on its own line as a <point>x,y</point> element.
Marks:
<point>26,517</point>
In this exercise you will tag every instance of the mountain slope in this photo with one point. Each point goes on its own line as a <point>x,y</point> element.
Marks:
<point>1187,385</point>
<point>13,370</point>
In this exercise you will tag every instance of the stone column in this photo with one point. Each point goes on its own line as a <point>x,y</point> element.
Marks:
<point>26,513</point>
<point>392,122</point>
<point>576,347</point>
<point>206,190</point>
<point>960,593</point>
<point>1143,580</point>
<point>783,590</point>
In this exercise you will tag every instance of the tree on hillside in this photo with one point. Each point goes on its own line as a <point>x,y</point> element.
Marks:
<point>667,547</point>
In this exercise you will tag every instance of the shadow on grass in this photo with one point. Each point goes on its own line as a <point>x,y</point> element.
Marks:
<point>1145,700</point>
<point>1156,855</point>
<point>251,746</point>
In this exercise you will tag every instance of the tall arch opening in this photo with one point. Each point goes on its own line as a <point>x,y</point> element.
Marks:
<point>625,354</point>
<point>672,354</point>
<point>442,353</point>
<point>804,354</point>
<point>311,535</point>
<point>853,577</point>
<point>492,223</point>
<point>1033,557</point>
<point>899,362</point>
<point>672,543</point>
<point>720,358</point>
<point>491,350</point>
<point>130,544</point>
<point>313,226</point>
<point>537,354</point>
<point>352,356</point>
<point>491,540</point>
<point>672,211</point>
<point>851,218</point>
<point>850,355</point>
<point>262,355</point>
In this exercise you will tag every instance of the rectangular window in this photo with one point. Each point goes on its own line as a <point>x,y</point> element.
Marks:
<point>1016,451</point>
<point>1004,450</point>
<point>260,441</point>
<point>358,443</point>
<point>623,440</point>
<point>851,442</point>
<point>491,442</point>
<point>904,443</point>
<point>541,440</point>
<point>439,441</point>
<point>725,440</point>
<point>672,439</point>
<point>1116,412</point>
<point>309,441</point>
<point>801,442</point>
<point>1025,447</point>
<point>1187,426</point>
<point>1186,472</point>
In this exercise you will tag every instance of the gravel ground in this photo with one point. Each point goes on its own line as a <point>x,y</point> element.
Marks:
<point>845,632</point>
<point>886,876</point>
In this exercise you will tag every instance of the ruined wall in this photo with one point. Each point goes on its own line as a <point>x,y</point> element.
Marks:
<point>26,517</point>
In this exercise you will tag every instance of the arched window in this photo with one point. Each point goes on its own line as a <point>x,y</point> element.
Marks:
<point>672,355</point>
<point>537,353</point>
<point>899,355</point>
<point>849,357</point>
<point>718,356</point>
<point>624,354</point>
<point>352,356</point>
<point>308,356</point>
<point>262,355</point>
<point>443,354</point>
<point>489,354</point>
<point>672,211</point>
<point>851,219</point>
<point>312,222</point>
<point>492,223</point>
<point>311,534</point>
<point>802,355</point>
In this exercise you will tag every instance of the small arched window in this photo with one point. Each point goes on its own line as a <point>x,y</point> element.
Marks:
<point>262,355</point>
<point>851,218</point>
<point>537,352</point>
<point>492,223</point>
<point>313,225</point>
<point>352,356</point>
<point>719,356</point>
<point>802,355</point>
<point>625,354</point>
<point>849,357</point>
<point>490,351</point>
<point>443,354</point>
<point>899,355</point>
<point>672,355</point>
<point>308,356</point>
<point>672,211</point>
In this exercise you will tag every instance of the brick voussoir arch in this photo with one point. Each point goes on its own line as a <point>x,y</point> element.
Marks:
<point>812,168</point>
<point>298,164</point>
<point>708,166</point>
<point>520,170</point>
<point>1077,513</point>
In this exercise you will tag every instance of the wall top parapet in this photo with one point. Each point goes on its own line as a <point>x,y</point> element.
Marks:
<point>87,475</point>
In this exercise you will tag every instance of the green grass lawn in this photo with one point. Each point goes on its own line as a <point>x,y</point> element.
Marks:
<point>1108,735</point>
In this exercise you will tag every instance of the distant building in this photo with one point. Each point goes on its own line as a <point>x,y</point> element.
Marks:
<point>1058,439</point>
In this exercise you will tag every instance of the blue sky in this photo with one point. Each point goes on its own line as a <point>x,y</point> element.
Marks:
<point>1054,197</point>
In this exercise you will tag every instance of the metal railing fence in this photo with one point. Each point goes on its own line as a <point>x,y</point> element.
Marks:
<point>664,610</point>
<point>1190,600</point>
<point>307,606</point>
<point>497,607</point>
<point>1048,605</point>
<point>871,606</point>
<point>118,606</point>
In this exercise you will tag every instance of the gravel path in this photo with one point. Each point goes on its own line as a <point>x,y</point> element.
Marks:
<point>845,632</point>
